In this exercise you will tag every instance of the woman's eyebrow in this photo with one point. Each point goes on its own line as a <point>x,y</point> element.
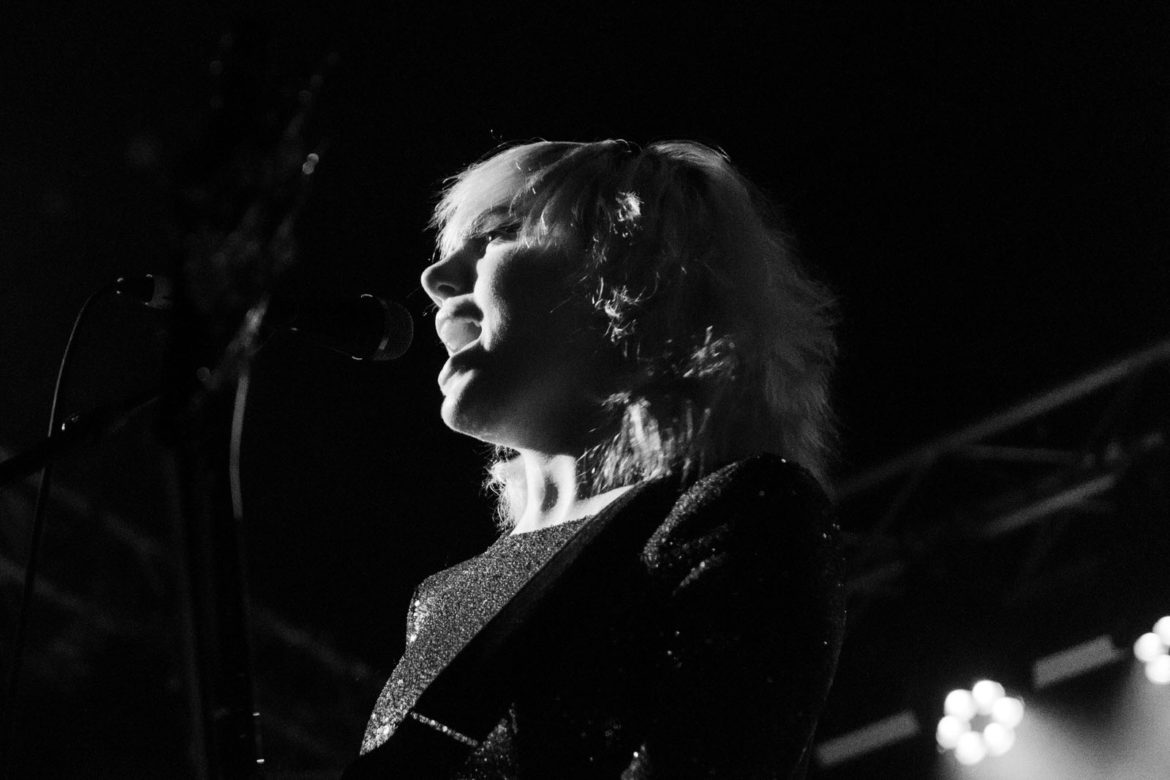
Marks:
<point>493,214</point>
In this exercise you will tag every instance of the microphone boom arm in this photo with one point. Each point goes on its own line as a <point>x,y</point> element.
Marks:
<point>75,429</point>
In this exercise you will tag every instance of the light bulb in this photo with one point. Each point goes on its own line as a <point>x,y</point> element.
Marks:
<point>1158,670</point>
<point>1162,629</point>
<point>986,693</point>
<point>1148,647</point>
<point>949,730</point>
<point>998,738</point>
<point>961,704</point>
<point>1008,712</point>
<point>970,748</point>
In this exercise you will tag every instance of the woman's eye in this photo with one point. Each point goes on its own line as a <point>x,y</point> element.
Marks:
<point>502,233</point>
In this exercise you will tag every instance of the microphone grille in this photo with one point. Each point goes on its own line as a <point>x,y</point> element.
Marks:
<point>157,292</point>
<point>398,331</point>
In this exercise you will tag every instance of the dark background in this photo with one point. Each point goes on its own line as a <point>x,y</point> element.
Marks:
<point>984,185</point>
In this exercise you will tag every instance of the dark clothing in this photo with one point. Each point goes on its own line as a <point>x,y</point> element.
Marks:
<point>708,653</point>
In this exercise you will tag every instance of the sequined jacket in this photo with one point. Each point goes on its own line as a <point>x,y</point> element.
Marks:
<point>709,654</point>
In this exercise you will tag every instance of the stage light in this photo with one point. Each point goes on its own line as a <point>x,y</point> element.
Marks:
<point>970,749</point>
<point>998,738</point>
<point>961,704</point>
<point>1148,647</point>
<point>950,728</point>
<point>1008,712</point>
<point>1158,670</point>
<point>1153,649</point>
<point>979,722</point>
<point>1162,629</point>
<point>986,693</point>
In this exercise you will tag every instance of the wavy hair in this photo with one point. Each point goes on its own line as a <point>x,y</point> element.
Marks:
<point>726,342</point>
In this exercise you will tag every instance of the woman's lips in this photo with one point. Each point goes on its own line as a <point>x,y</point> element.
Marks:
<point>452,366</point>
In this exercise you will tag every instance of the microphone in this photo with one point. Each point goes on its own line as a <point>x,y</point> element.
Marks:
<point>364,328</point>
<point>157,292</point>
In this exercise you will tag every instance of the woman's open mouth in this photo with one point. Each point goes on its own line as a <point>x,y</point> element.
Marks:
<point>456,333</point>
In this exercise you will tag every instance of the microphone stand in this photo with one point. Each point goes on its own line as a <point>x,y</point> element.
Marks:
<point>201,427</point>
<point>91,425</point>
<point>249,183</point>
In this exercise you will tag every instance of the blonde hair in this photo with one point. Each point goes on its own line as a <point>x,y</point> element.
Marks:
<point>728,342</point>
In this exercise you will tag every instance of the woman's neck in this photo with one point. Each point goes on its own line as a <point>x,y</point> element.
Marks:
<point>554,494</point>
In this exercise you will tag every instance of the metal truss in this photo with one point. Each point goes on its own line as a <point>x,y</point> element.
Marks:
<point>1030,474</point>
<point>125,590</point>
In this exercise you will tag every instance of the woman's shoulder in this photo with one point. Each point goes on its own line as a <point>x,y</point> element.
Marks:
<point>763,476</point>
<point>761,507</point>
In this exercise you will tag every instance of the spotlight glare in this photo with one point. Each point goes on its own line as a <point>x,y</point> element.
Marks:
<point>998,739</point>
<point>961,704</point>
<point>970,749</point>
<point>1158,670</point>
<point>1148,647</point>
<point>1008,712</point>
<point>995,716</point>
<point>986,693</point>
<point>1162,629</point>
<point>949,730</point>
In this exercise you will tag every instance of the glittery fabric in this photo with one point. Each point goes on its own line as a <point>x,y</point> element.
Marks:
<point>708,652</point>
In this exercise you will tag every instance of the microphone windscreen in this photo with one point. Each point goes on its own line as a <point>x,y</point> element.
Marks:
<point>157,292</point>
<point>366,328</point>
<point>399,330</point>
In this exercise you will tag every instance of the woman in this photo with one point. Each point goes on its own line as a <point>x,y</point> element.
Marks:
<point>630,330</point>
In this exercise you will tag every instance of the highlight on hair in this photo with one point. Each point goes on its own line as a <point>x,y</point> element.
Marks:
<point>726,342</point>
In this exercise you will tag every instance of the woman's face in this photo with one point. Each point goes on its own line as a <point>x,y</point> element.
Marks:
<point>527,366</point>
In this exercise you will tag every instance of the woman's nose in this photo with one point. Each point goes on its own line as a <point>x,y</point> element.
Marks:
<point>451,276</point>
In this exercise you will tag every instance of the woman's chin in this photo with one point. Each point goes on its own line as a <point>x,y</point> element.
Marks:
<point>462,417</point>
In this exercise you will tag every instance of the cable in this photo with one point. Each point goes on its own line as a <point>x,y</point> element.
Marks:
<point>38,524</point>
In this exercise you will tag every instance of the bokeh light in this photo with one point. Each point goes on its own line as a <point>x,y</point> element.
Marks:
<point>986,693</point>
<point>998,738</point>
<point>1008,712</point>
<point>1162,629</point>
<point>961,704</point>
<point>1153,649</point>
<point>1148,647</point>
<point>1158,670</point>
<point>970,749</point>
<point>950,728</point>
<point>980,722</point>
